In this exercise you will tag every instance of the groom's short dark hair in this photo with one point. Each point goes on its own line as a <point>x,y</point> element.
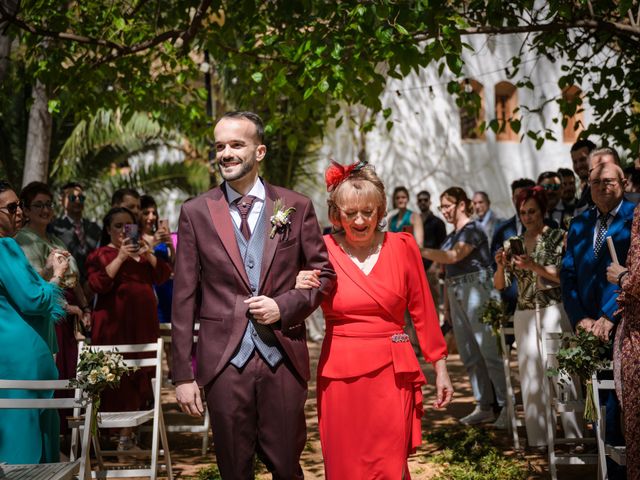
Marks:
<point>252,117</point>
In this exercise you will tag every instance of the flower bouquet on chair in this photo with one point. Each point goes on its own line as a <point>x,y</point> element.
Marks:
<point>582,354</point>
<point>96,371</point>
<point>495,315</point>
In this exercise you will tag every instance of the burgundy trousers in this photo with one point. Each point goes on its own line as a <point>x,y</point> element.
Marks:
<point>258,410</point>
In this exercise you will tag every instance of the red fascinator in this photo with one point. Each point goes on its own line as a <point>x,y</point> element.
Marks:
<point>337,173</point>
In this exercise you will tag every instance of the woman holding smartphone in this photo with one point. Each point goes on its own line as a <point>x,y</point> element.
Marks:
<point>156,234</point>
<point>122,273</point>
<point>534,259</point>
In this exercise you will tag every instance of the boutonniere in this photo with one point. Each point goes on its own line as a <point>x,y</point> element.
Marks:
<point>280,219</point>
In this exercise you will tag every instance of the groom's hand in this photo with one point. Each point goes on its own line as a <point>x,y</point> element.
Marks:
<point>264,309</point>
<point>188,397</point>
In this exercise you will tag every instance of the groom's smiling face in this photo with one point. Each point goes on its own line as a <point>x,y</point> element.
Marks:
<point>238,149</point>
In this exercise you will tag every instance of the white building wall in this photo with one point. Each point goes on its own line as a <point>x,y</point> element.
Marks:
<point>424,149</point>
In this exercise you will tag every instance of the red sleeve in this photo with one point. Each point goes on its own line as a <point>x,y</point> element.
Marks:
<point>161,273</point>
<point>420,303</point>
<point>96,265</point>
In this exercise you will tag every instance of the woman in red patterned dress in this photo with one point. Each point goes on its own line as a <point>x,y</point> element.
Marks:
<point>626,352</point>
<point>369,379</point>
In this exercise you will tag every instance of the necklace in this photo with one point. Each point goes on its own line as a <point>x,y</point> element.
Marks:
<point>367,264</point>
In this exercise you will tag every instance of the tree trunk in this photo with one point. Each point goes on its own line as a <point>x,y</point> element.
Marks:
<point>11,6</point>
<point>36,162</point>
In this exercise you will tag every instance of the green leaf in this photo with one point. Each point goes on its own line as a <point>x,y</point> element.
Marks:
<point>257,77</point>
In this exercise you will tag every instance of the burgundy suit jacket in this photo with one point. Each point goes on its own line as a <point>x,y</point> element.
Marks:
<point>211,284</point>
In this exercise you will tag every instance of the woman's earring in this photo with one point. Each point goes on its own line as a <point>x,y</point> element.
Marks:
<point>382,224</point>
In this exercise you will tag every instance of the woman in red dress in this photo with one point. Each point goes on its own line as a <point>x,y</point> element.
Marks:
<point>369,379</point>
<point>123,274</point>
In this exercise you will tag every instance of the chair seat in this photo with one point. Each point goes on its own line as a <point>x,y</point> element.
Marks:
<point>43,471</point>
<point>123,419</point>
<point>617,454</point>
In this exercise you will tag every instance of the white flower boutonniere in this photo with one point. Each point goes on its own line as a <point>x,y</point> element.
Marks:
<point>280,219</point>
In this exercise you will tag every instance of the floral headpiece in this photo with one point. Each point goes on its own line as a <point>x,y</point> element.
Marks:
<point>337,173</point>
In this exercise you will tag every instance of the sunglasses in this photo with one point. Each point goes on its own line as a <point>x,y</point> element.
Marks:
<point>80,198</point>
<point>552,186</point>
<point>12,208</point>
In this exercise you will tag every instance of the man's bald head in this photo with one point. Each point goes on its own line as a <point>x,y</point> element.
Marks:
<point>601,156</point>
<point>607,185</point>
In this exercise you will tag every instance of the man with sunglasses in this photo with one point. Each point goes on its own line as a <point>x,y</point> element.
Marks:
<point>10,211</point>
<point>552,184</point>
<point>80,235</point>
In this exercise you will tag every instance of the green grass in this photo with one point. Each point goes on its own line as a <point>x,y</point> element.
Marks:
<point>471,454</point>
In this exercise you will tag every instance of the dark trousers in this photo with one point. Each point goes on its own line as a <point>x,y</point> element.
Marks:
<point>258,410</point>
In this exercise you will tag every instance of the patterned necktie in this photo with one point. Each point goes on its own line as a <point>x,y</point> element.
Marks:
<point>244,205</point>
<point>602,232</point>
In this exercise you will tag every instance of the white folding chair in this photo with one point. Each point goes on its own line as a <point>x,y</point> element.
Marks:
<point>512,423</point>
<point>562,403</point>
<point>205,426</point>
<point>77,466</point>
<point>617,453</point>
<point>117,420</point>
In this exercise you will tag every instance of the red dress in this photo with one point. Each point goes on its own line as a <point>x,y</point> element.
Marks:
<point>369,379</point>
<point>126,312</point>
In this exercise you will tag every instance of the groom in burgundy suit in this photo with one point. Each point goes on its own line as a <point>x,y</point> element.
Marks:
<point>235,273</point>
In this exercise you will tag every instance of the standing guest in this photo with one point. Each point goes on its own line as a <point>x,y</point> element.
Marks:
<point>158,237</point>
<point>487,219</point>
<point>37,244</point>
<point>241,247</point>
<point>632,189</point>
<point>27,305</point>
<point>377,390</point>
<point>580,159</point>
<point>588,298</point>
<point>122,273</point>
<point>128,198</point>
<point>537,269</point>
<point>404,219</point>
<point>568,198</point>
<point>80,235</point>
<point>552,184</point>
<point>508,229</point>
<point>435,232</point>
<point>465,255</point>
<point>627,346</point>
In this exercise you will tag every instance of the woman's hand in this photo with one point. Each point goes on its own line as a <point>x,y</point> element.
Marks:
<point>501,258</point>
<point>74,310</point>
<point>524,262</point>
<point>58,260</point>
<point>613,272</point>
<point>444,388</point>
<point>162,235</point>
<point>308,279</point>
<point>127,249</point>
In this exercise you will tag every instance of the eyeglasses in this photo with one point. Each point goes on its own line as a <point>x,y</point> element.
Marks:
<point>41,205</point>
<point>605,182</point>
<point>423,200</point>
<point>353,214</point>
<point>12,208</point>
<point>552,186</point>
<point>80,198</point>
<point>444,208</point>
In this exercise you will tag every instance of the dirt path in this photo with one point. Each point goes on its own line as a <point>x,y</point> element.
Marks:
<point>187,458</point>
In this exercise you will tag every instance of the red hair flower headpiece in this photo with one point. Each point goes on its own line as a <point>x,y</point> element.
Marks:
<point>337,173</point>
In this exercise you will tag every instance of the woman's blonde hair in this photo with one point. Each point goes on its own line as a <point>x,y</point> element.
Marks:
<point>366,184</point>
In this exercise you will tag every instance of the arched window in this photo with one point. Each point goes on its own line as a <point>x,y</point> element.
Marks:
<point>506,104</point>
<point>572,122</point>
<point>471,119</point>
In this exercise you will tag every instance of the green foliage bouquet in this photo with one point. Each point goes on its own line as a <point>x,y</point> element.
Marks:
<point>583,354</point>
<point>96,371</point>
<point>495,315</point>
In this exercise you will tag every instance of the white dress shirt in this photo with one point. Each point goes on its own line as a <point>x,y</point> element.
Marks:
<point>257,191</point>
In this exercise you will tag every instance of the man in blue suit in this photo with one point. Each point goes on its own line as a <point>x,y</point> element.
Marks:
<point>588,298</point>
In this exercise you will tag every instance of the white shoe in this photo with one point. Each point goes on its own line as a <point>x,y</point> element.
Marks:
<point>478,416</point>
<point>501,422</point>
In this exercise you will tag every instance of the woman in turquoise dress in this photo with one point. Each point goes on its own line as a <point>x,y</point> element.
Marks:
<point>27,304</point>
<point>405,220</point>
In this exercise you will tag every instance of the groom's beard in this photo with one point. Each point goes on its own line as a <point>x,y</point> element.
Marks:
<point>245,168</point>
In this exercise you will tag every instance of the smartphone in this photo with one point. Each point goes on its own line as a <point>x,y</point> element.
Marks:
<point>131,232</point>
<point>163,224</point>
<point>516,246</point>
